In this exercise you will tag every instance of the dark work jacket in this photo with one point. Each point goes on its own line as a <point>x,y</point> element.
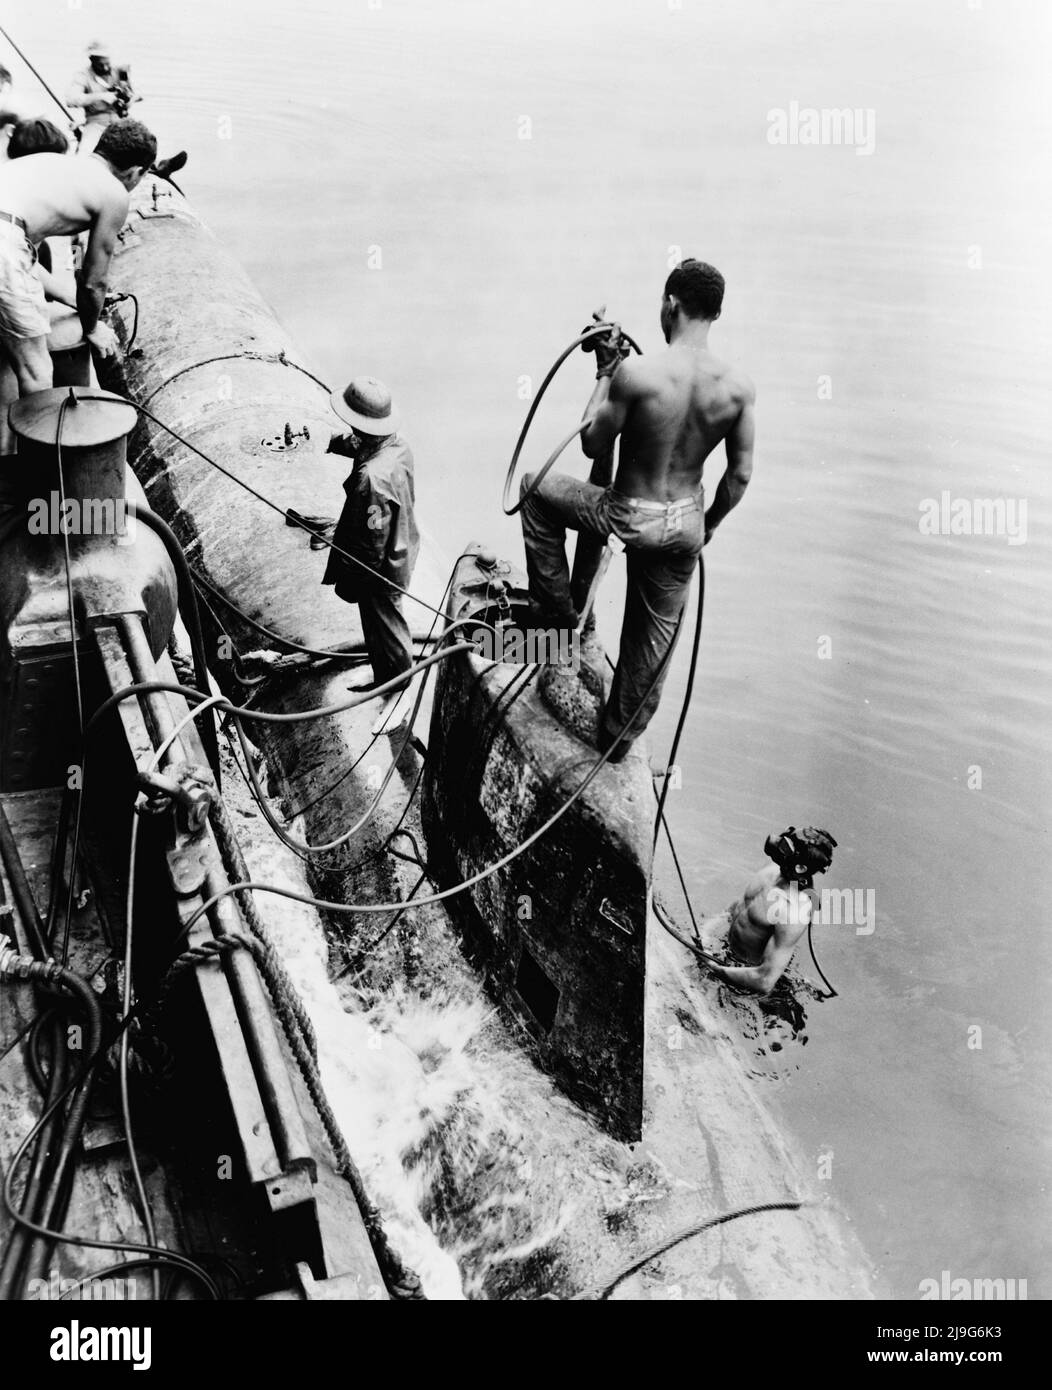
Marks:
<point>377,525</point>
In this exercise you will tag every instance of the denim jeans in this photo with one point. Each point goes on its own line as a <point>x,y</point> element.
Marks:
<point>662,548</point>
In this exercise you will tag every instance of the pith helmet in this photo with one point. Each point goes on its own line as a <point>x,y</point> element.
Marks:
<point>365,404</point>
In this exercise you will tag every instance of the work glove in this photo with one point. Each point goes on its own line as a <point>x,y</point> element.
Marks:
<point>610,348</point>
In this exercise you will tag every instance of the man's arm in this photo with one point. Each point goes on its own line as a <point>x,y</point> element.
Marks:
<point>762,978</point>
<point>374,516</point>
<point>740,443</point>
<point>56,287</point>
<point>80,94</point>
<point>91,287</point>
<point>607,410</point>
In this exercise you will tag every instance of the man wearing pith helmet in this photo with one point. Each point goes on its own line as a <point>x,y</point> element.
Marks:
<point>377,526</point>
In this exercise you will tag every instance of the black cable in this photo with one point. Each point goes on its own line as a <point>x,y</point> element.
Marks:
<point>236,660</point>
<point>56,1198</point>
<point>811,945</point>
<point>159,1257</point>
<point>59,850</point>
<point>687,694</point>
<point>188,596</point>
<point>603,1291</point>
<point>265,716</point>
<point>358,961</point>
<point>71,398</point>
<point>122,1059</point>
<point>64,405</point>
<point>112,300</point>
<point>37,1180</point>
<point>595,331</point>
<point>679,872</point>
<point>91,1062</point>
<point>259,496</point>
<point>369,908</point>
<point>355,658</point>
<point>298,846</point>
<point>65,110</point>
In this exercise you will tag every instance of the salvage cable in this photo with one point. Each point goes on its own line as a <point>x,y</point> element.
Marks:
<point>126,993</point>
<point>92,1061</point>
<point>260,497</point>
<point>355,658</point>
<point>503,862</point>
<point>192,613</point>
<point>248,886</point>
<point>596,330</point>
<point>370,908</point>
<point>122,1063</point>
<point>301,846</point>
<point>603,1291</point>
<point>59,422</point>
<point>63,407</point>
<point>64,109</point>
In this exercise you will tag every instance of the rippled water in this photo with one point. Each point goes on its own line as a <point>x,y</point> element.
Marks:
<point>915,279</point>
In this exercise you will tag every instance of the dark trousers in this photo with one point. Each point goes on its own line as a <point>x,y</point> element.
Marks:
<point>663,545</point>
<point>386,633</point>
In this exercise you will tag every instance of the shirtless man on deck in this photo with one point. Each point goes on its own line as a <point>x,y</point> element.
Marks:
<point>54,195</point>
<point>670,411</point>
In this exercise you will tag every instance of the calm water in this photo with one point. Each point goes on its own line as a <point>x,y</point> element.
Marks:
<point>915,279</point>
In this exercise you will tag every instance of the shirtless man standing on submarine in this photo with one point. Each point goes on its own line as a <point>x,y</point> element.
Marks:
<point>55,195</point>
<point>671,410</point>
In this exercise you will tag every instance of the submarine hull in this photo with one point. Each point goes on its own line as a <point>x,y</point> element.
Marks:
<point>578,1196</point>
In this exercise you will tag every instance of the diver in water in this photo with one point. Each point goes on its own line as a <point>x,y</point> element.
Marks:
<point>775,910</point>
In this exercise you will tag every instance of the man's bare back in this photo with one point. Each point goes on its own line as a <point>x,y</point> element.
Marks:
<point>56,195</point>
<point>672,409</point>
<point>680,404</point>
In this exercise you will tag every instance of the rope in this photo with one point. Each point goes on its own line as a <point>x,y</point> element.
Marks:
<point>401,1282</point>
<point>276,358</point>
<point>278,983</point>
<point>260,497</point>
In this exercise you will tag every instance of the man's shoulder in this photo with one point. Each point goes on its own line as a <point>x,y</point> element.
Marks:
<point>639,376</point>
<point>103,189</point>
<point>391,463</point>
<point>735,381</point>
<point>745,384</point>
<point>393,454</point>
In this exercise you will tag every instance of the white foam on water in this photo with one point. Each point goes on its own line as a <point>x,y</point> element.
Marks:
<point>427,1110</point>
